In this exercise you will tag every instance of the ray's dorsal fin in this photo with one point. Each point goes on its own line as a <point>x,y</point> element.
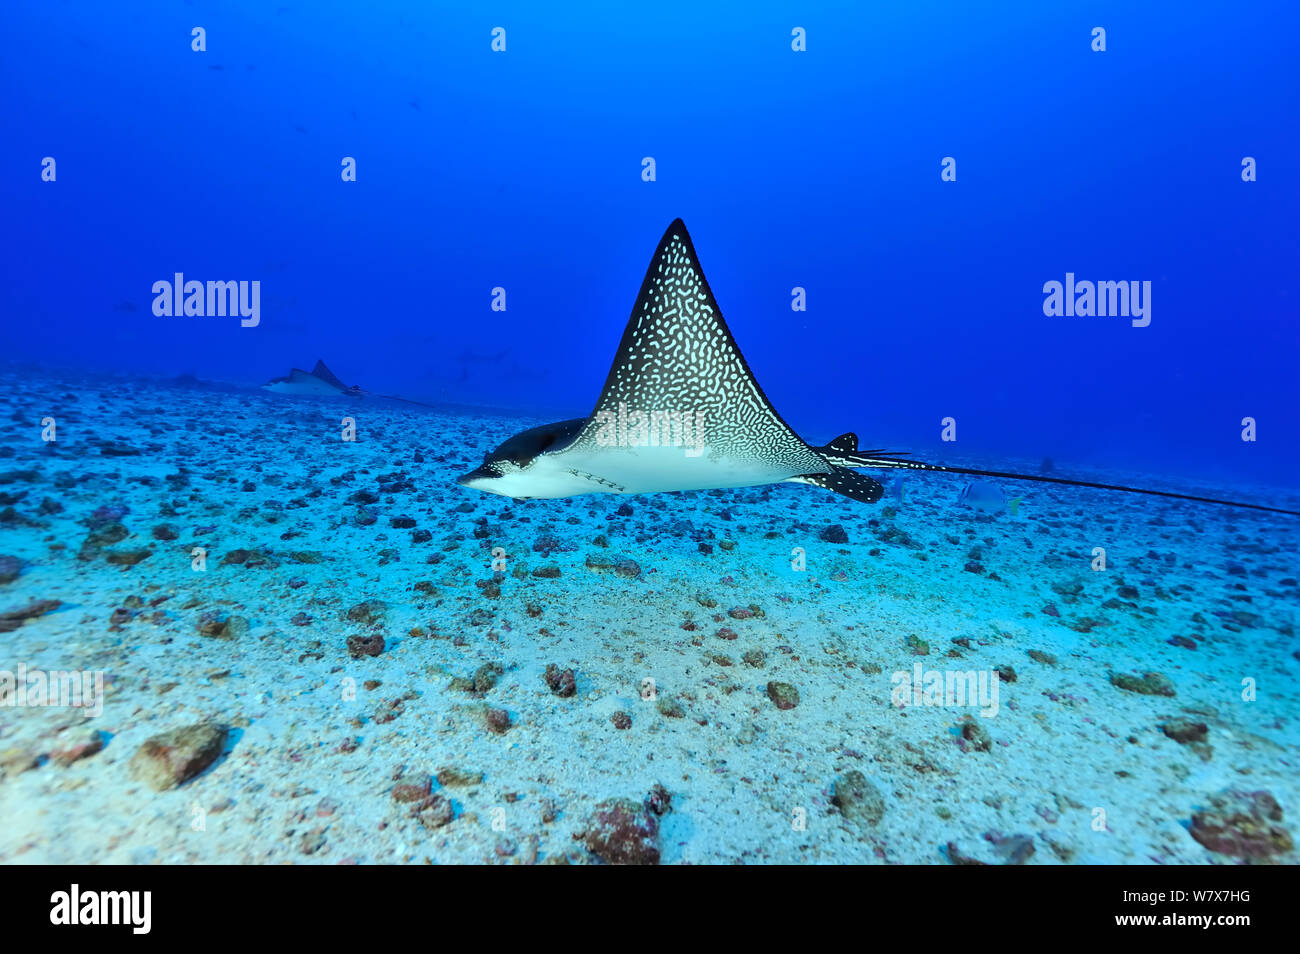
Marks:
<point>328,376</point>
<point>677,356</point>
<point>844,444</point>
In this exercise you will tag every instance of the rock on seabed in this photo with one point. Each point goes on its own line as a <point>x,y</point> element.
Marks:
<point>173,758</point>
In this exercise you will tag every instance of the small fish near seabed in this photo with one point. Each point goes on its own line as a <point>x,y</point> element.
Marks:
<point>987,498</point>
<point>681,410</point>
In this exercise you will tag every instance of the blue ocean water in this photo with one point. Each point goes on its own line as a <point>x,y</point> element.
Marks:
<point>819,169</point>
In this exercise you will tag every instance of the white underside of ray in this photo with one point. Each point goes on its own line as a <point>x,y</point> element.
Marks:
<point>633,470</point>
<point>301,384</point>
<point>659,469</point>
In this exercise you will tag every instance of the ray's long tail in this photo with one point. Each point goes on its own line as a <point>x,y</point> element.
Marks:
<point>394,397</point>
<point>843,452</point>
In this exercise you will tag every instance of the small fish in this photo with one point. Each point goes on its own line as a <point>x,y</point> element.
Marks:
<point>983,496</point>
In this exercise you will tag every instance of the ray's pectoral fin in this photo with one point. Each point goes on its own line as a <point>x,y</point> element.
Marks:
<point>678,361</point>
<point>850,483</point>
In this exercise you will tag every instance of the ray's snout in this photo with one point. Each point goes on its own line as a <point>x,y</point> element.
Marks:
<point>482,472</point>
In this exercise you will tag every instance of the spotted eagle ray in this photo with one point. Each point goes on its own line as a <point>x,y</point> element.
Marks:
<point>319,381</point>
<point>681,410</point>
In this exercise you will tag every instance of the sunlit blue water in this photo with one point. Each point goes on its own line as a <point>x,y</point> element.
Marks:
<point>817,169</point>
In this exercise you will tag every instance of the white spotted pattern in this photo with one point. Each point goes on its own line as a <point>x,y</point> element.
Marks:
<point>677,354</point>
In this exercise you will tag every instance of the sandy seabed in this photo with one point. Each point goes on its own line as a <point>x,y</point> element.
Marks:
<point>722,697</point>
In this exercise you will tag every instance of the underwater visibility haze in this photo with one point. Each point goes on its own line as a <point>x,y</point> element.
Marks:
<point>380,481</point>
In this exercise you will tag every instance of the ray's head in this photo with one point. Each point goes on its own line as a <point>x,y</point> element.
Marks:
<point>521,467</point>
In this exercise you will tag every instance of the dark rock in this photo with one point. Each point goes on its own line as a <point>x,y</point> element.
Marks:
<point>104,535</point>
<point>12,619</point>
<point>220,626</point>
<point>1185,731</point>
<point>659,801</point>
<point>369,613</point>
<point>128,557</point>
<point>623,832</point>
<point>670,708</point>
<point>497,720</point>
<point>77,745</point>
<point>560,681</point>
<point>371,644</point>
<point>1242,824</point>
<point>117,449</point>
<point>434,812</point>
<point>784,695</point>
<point>1150,684</point>
<point>416,790</point>
<point>484,678</point>
<point>547,544</point>
<point>857,799</point>
<point>975,733</point>
<point>452,777</point>
<point>835,533</point>
<point>619,566</point>
<point>173,758</point>
<point>1011,849</point>
<point>1072,588</point>
<point>10,567</point>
